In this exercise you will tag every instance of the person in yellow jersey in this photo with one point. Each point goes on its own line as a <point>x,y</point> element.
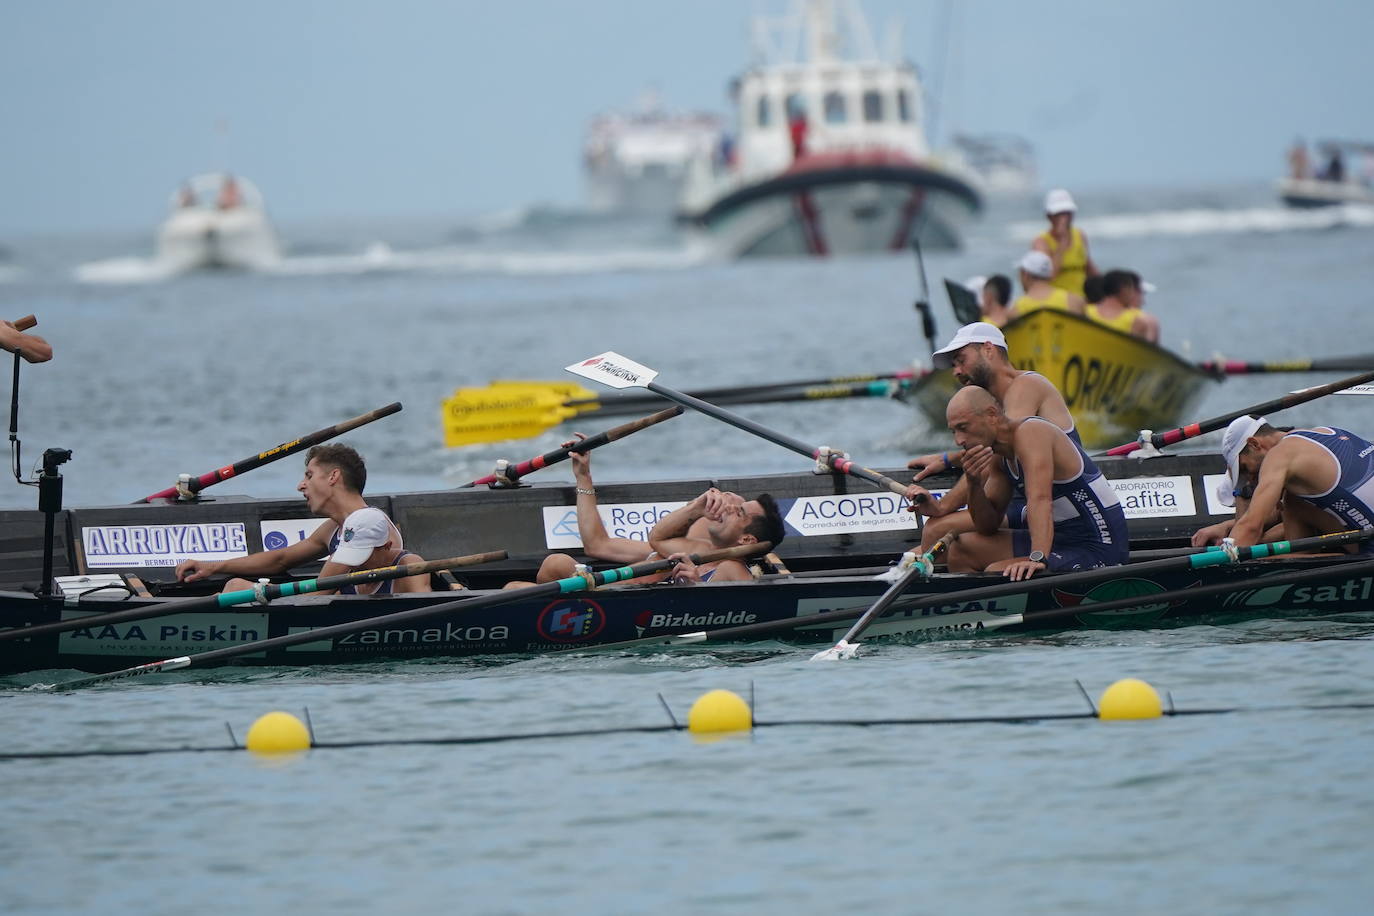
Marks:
<point>1122,305</point>
<point>1065,243</point>
<point>1035,269</point>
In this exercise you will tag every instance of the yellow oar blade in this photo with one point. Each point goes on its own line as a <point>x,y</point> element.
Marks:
<point>479,429</point>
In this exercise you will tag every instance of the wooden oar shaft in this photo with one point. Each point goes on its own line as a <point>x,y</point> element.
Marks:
<point>1037,584</point>
<point>1174,436</point>
<point>585,445</point>
<point>561,586</point>
<point>247,596</point>
<point>281,451</point>
<point>843,465</point>
<point>23,324</point>
<point>1330,364</point>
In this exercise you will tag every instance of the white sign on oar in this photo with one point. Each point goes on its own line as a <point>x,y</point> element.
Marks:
<point>610,368</point>
<point>1354,389</point>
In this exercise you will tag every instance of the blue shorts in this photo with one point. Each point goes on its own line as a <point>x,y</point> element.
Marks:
<point>1016,513</point>
<point>1066,555</point>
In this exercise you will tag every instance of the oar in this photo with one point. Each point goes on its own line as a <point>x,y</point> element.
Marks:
<point>1331,364</point>
<point>848,645</point>
<point>506,596</point>
<point>249,595</point>
<point>515,472</point>
<point>196,484</point>
<point>922,305</point>
<point>1206,426</point>
<point>1197,560</point>
<point>616,371</point>
<point>770,395</point>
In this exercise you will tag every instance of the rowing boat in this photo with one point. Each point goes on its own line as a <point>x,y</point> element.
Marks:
<point>805,608</point>
<point>1114,384</point>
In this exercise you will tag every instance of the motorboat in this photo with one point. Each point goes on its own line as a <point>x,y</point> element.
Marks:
<point>636,162</point>
<point>830,156</point>
<point>1335,181</point>
<point>217,220</point>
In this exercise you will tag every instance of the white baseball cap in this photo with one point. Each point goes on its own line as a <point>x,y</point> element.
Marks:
<point>975,284</point>
<point>362,532</point>
<point>1059,201</point>
<point>1037,264</point>
<point>1232,444</point>
<point>976,333</point>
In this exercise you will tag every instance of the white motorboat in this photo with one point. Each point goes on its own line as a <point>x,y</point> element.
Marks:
<point>1335,181</point>
<point>830,156</point>
<point>217,220</point>
<point>636,162</point>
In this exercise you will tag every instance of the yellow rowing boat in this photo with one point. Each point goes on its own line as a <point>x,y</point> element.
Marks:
<point>1115,384</point>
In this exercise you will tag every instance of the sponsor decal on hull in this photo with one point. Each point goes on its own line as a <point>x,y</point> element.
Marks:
<point>1113,591</point>
<point>622,520</point>
<point>1303,597</point>
<point>812,516</point>
<point>283,532</point>
<point>954,615</point>
<point>655,620</point>
<point>1155,497</point>
<point>121,546</point>
<point>571,620</point>
<point>175,634</point>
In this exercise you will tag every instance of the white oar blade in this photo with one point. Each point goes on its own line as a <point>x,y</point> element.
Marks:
<point>838,652</point>
<point>614,370</point>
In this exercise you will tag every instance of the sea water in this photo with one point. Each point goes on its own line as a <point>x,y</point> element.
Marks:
<point>1266,809</point>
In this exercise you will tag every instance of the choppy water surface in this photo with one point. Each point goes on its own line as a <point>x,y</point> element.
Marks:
<point>1260,811</point>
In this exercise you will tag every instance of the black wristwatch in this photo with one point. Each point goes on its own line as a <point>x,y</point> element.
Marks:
<point>1036,556</point>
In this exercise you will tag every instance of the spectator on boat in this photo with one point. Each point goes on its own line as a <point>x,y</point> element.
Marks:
<point>229,194</point>
<point>1035,270</point>
<point>355,537</point>
<point>994,299</point>
<point>1122,305</point>
<point>1335,166</point>
<point>33,348</point>
<point>1073,518</point>
<point>1323,475</point>
<point>1065,244</point>
<point>1299,167</point>
<point>978,356</point>
<point>731,521</point>
<point>796,129</point>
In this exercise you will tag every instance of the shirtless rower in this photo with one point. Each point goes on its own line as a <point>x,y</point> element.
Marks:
<point>355,537</point>
<point>978,356</point>
<point>1073,518</point>
<point>1324,475</point>
<point>733,521</point>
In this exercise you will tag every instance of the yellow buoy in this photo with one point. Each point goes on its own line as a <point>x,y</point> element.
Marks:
<point>277,733</point>
<point>1130,698</point>
<point>719,711</point>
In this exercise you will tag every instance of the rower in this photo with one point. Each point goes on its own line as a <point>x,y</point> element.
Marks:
<point>1324,475</point>
<point>1065,244</point>
<point>1073,518</point>
<point>978,356</point>
<point>994,298</point>
<point>355,537</point>
<point>1035,271</point>
<point>1122,305</point>
<point>731,521</point>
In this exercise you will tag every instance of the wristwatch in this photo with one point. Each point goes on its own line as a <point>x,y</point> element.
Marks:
<point>1036,556</point>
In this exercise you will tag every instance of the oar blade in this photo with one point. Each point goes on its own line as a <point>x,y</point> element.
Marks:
<point>839,652</point>
<point>613,370</point>
<point>481,429</point>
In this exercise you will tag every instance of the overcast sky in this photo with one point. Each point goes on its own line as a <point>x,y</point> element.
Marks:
<point>357,108</point>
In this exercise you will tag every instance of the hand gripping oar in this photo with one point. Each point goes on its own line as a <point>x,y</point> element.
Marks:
<point>1330,364</point>
<point>1206,426</point>
<point>196,484</point>
<point>510,474</point>
<point>1209,557</point>
<point>260,594</point>
<point>610,368</point>
<point>921,568</point>
<point>534,592</point>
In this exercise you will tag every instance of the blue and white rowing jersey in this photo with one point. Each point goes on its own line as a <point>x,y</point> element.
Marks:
<point>1085,507</point>
<point>1351,500</point>
<point>383,587</point>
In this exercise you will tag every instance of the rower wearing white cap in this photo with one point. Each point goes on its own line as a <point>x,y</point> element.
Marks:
<point>1036,270</point>
<point>1065,244</point>
<point>354,537</point>
<point>978,356</point>
<point>1324,475</point>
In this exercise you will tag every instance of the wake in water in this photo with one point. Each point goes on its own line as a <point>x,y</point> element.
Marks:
<point>1201,221</point>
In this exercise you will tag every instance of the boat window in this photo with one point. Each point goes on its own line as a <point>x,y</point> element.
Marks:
<point>834,108</point>
<point>795,106</point>
<point>903,105</point>
<point>765,114</point>
<point>873,106</point>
